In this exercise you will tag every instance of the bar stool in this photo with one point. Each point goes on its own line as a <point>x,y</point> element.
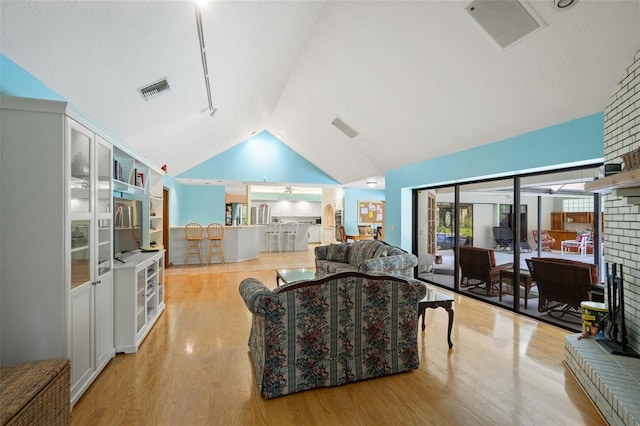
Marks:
<point>215,232</point>
<point>273,234</point>
<point>291,237</point>
<point>193,235</point>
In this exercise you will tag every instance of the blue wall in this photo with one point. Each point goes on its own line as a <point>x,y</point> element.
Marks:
<point>261,158</point>
<point>576,142</point>
<point>264,158</point>
<point>16,81</point>
<point>351,198</point>
<point>203,204</point>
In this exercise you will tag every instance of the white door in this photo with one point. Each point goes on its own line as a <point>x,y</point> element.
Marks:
<point>82,362</point>
<point>104,320</point>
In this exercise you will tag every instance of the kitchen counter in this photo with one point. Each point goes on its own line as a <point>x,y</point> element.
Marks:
<point>240,243</point>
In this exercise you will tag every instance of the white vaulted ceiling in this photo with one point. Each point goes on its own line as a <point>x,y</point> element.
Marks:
<point>415,79</point>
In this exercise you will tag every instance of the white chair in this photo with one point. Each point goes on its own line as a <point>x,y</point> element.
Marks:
<point>291,237</point>
<point>273,235</point>
<point>426,264</point>
<point>579,244</point>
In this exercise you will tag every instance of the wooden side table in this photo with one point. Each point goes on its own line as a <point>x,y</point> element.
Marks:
<point>506,275</point>
<point>434,300</point>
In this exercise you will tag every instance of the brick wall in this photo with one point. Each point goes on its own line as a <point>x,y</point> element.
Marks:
<point>622,220</point>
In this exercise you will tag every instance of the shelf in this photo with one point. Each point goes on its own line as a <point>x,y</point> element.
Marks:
<point>628,179</point>
<point>124,187</point>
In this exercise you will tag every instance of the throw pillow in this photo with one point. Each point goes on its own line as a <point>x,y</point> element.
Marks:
<point>338,253</point>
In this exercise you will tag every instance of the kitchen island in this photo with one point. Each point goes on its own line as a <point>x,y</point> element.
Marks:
<point>240,243</point>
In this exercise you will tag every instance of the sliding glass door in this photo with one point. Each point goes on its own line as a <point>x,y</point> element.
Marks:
<point>552,208</point>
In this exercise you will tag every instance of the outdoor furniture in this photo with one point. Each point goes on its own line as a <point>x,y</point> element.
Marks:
<point>503,236</point>
<point>426,264</point>
<point>579,244</point>
<point>479,268</point>
<point>563,284</point>
<point>546,242</point>
<point>526,280</point>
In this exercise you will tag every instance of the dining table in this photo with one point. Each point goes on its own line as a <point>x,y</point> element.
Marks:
<point>360,237</point>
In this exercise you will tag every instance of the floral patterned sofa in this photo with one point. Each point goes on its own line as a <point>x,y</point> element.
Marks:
<point>332,330</point>
<point>364,256</point>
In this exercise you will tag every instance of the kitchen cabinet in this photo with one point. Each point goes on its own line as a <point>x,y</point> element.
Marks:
<point>315,233</point>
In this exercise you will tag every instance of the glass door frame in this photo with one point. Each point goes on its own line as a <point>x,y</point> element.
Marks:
<point>516,201</point>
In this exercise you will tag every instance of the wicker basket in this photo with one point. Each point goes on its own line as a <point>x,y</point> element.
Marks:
<point>632,159</point>
<point>35,394</point>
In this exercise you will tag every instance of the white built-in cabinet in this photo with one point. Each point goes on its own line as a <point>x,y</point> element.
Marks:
<point>139,298</point>
<point>56,240</point>
<point>286,208</point>
<point>135,180</point>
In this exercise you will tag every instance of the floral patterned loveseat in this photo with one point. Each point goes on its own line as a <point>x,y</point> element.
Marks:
<point>331,331</point>
<point>364,256</point>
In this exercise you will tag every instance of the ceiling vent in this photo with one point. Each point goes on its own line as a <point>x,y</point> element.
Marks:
<point>344,128</point>
<point>154,89</point>
<point>506,21</point>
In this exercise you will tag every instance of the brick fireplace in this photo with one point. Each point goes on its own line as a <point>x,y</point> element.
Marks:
<point>622,227</point>
<point>613,381</point>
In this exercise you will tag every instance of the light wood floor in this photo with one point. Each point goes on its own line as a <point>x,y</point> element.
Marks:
<point>194,368</point>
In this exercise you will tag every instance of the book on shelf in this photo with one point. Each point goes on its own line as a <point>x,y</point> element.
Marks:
<point>117,170</point>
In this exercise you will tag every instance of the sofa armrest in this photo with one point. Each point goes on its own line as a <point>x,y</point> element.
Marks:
<point>252,291</point>
<point>398,262</point>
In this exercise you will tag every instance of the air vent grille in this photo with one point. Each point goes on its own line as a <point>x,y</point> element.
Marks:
<point>344,128</point>
<point>506,21</point>
<point>154,89</point>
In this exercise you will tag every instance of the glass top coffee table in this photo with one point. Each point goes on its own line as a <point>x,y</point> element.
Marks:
<point>433,300</point>
<point>290,275</point>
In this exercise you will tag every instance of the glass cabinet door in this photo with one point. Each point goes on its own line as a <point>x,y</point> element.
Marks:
<point>104,246</point>
<point>104,168</point>
<point>141,296</point>
<point>80,181</point>
<point>80,252</point>
<point>103,208</point>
